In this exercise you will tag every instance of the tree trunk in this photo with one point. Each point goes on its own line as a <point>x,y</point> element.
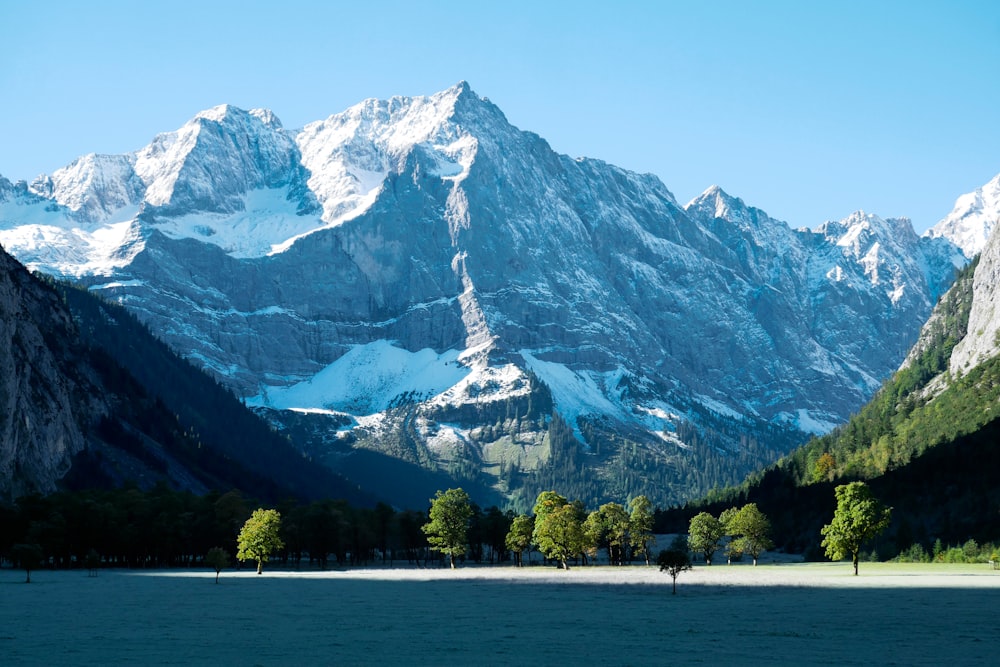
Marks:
<point>565,564</point>
<point>451,560</point>
<point>260,567</point>
<point>674,591</point>
<point>854,560</point>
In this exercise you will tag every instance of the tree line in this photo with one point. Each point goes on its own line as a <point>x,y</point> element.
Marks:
<point>561,530</point>
<point>132,528</point>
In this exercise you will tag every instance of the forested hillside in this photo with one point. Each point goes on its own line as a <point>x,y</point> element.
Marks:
<point>928,444</point>
<point>919,407</point>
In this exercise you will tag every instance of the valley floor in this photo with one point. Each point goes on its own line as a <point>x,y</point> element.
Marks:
<point>790,613</point>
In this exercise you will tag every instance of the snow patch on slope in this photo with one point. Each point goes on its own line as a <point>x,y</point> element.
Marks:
<point>369,379</point>
<point>268,224</point>
<point>578,393</point>
<point>44,238</point>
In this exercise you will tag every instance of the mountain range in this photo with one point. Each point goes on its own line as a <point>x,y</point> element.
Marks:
<point>419,278</point>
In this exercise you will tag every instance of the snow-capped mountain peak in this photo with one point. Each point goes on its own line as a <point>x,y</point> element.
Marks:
<point>93,187</point>
<point>973,218</point>
<point>350,154</point>
<point>432,236</point>
<point>715,202</point>
<point>211,162</point>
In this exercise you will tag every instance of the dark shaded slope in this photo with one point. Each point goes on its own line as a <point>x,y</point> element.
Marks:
<point>230,443</point>
<point>951,493</point>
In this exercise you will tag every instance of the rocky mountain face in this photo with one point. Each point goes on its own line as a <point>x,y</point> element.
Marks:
<point>419,277</point>
<point>982,340</point>
<point>42,400</point>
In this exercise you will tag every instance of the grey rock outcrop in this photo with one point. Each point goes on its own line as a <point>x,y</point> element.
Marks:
<point>40,403</point>
<point>982,341</point>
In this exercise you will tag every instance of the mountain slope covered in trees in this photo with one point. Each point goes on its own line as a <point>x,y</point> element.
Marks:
<point>927,444</point>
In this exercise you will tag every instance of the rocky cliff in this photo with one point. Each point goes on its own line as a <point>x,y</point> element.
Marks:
<point>44,397</point>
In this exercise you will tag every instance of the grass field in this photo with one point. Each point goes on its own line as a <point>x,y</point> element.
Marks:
<point>804,614</point>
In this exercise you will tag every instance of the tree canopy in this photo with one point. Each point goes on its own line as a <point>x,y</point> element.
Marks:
<point>705,533</point>
<point>641,526</point>
<point>675,560</point>
<point>260,537</point>
<point>519,536</point>
<point>608,526</point>
<point>750,531</point>
<point>858,518</point>
<point>558,529</point>
<point>448,528</point>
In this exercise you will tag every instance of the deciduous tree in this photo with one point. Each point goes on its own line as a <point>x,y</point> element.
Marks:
<point>675,560</point>
<point>519,536</point>
<point>705,534</point>
<point>558,529</point>
<point>641,538</point>
<point>608,526</point>
<point>217,558</point>
<point>28,557</point>
<point>858,518</point>
<point>448,528</point>
<point>260,537</point>
<point>750,530</point>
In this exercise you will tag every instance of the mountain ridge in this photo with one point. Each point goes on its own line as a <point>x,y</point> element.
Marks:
<point>439,226</point>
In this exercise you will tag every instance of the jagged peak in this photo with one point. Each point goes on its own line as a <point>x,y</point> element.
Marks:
<point>972,219</point>
<point>862,230</point>
<point>716,203</point>
<point>412,118</point>
<point>267,117</point>
<point>223,113</point>
<point>715,196</point>
<point>217,113</point>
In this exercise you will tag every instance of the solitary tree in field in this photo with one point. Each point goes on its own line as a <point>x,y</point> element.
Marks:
<point>858,518</point>
<point>260,537</point>
<point>750,530</point>
<point>675,560</point>
<point>705,534</point>
<point>641,526</point>
<point>218,559</point>
<point>28,557</point>
<point>448,528</point>
<point>519,537</point>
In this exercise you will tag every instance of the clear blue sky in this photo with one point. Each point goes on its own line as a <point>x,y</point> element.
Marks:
<point>808,110</point>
